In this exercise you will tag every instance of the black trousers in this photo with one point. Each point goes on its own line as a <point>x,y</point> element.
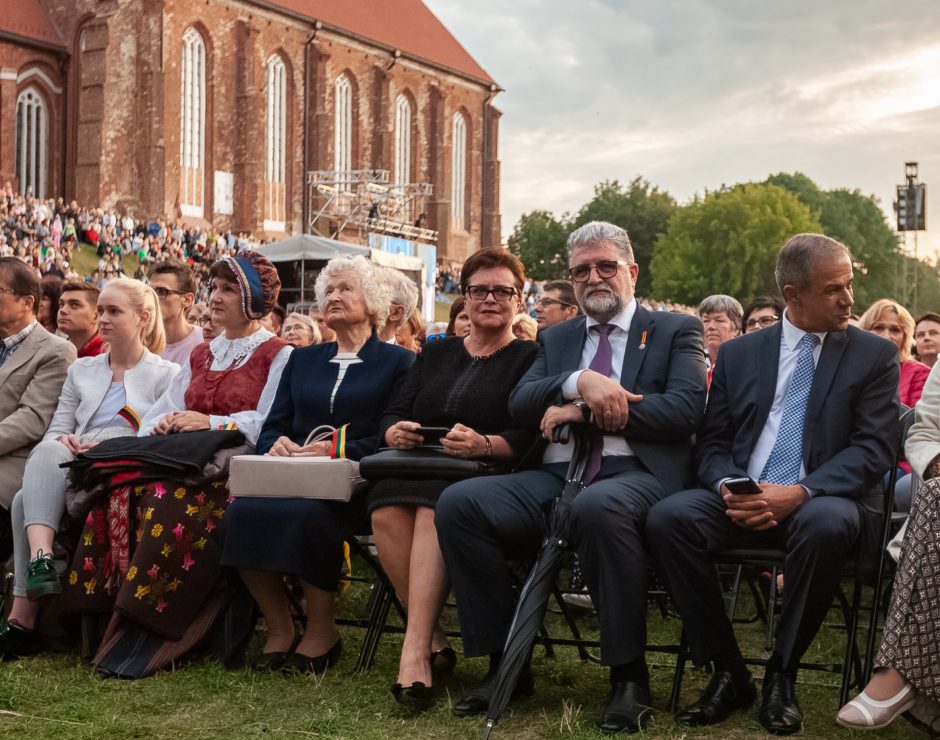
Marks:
<point>685,529</point>
<point>483,522</point>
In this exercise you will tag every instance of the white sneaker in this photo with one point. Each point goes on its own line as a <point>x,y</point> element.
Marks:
<point>865,713</point>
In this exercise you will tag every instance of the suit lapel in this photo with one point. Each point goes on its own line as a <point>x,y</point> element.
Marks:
<point>829,358</point>
<point>573,344</point>
<point>23,353</point>
<point>768,364</point>
<point>640,336</point>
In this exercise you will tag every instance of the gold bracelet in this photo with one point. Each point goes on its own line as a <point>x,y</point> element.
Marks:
<point>488,452</point>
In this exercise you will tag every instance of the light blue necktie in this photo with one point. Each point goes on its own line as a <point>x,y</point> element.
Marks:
<point>783,465</point>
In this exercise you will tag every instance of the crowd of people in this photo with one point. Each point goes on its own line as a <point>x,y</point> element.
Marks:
<point>772,425</point>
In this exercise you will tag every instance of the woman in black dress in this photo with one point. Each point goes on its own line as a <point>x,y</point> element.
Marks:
<point>463,384</point>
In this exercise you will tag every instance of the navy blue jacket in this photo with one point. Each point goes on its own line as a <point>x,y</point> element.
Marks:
<point>850,431</point>
<point>664,360</point>
<point>302,401</point>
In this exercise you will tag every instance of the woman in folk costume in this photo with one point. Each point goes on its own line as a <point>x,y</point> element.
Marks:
<point>172,600</point>
<point>103,397</point>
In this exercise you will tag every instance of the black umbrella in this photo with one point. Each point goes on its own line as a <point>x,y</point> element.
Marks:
<point>539,585</point>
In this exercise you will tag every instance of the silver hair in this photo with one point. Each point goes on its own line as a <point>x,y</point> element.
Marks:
<point>800,256</point>
<point>375,292</point>
<point>308,322</point>
<point>404,291</point>
<point>720,303</point>
<point>601,232</point>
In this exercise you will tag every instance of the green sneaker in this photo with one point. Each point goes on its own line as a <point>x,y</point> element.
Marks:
<point>41,577</point>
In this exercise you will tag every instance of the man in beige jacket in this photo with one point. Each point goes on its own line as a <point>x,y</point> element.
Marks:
<point>33,366</point>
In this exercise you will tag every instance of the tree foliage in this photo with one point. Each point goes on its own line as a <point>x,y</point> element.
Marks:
<point>641,208</point>
<point>857,221</point>
<point>727,242</point>
<point>538,239</point>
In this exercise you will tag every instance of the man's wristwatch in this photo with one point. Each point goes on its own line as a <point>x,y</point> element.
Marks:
<point>585,409</point>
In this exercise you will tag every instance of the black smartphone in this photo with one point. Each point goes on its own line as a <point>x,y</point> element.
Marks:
<point>432,435</point>
<point>739,486</point>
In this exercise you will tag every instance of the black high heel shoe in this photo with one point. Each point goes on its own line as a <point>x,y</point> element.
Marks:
<point>417,697</point>
<point>443,661</point>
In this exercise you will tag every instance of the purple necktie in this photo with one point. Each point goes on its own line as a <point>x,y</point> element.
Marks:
<point>601,363</point>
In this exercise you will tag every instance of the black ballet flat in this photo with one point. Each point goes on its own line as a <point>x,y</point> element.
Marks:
<point>299,663</point>
<point>417,697</point>
<point>443,661</point>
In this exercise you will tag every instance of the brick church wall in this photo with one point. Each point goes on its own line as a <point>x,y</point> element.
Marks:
<point>120,121</point>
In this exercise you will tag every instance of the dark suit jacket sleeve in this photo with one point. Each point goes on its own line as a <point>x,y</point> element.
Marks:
<point>678,411</point>
<point>715,440</point>
<point>853,471</point>
<point>536,391</point>
<point>281,416</point>
<point>359,447</point>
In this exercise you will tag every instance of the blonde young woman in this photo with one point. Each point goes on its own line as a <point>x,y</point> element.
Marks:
<point>103,397</point>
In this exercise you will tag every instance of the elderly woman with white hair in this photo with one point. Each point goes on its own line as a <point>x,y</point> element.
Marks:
<point>346,384</point>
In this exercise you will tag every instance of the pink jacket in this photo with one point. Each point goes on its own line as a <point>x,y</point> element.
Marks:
<point>913,376</point>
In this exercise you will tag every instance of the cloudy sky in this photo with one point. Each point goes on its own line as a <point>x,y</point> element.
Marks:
<point>692,94</point>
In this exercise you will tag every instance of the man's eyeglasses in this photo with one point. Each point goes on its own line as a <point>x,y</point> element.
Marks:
<point>605,269</point>
<point>166,292</point>
<point>8,290</point>
<point>763,322</point>
<point>553,302</point>
<point>481,292</point>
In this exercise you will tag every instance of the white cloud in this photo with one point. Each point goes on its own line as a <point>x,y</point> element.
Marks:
<point>696,93</point>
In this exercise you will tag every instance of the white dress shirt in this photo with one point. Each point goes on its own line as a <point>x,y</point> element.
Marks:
<point>790,339</point>
<point>613,444</point>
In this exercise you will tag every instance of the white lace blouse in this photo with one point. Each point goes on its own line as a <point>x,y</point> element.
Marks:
<point>224,352</point>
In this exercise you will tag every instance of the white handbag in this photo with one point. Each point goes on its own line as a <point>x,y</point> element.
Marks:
<point>266,476</point>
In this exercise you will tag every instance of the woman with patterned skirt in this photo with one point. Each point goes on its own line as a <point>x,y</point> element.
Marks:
<point>907,667</point>
<point>152,552</point>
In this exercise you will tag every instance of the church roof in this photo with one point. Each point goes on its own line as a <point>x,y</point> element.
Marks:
<point>28,19</point>
<point>407,25</point>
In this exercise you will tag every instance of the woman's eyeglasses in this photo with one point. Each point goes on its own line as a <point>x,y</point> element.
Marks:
<point>605,269</point>
<point>763,322</point>
<point>481,292</point>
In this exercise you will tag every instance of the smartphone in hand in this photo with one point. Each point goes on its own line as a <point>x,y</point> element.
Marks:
<point>432,435</point>
<point>739,486</point>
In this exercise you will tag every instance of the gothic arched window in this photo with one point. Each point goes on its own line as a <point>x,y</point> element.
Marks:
<point>342,128</point>
<point>193,124</point>
<point>402,172</point>
<point>275,146</point>
<point>31,140</point>
<point>458,179</point>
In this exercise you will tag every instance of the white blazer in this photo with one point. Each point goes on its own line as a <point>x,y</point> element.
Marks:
<point>88,382</point>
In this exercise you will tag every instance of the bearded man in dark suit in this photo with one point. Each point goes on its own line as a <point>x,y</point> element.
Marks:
<point>808,408</point>
<point>640,377</point>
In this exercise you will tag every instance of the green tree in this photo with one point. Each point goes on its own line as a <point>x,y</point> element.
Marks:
<point>857,221</point>
<point>640,208</point>
<point>538,239</point>
<point>727,242</point>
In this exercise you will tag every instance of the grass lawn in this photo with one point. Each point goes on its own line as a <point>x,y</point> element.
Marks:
<point>57,696</point>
